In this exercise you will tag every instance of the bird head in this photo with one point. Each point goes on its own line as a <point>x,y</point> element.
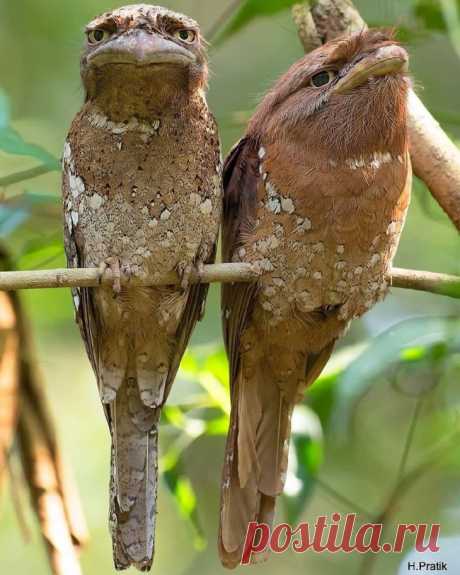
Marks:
<point>344,98</point>
<point>143,51</point>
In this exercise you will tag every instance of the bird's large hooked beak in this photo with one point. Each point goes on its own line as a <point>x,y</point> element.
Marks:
<point>141,48</point>
<point>387,60</point>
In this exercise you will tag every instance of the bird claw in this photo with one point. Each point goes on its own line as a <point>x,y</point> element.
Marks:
<point>200,268</point>
<point>112,264</point>
<point>187,272</point>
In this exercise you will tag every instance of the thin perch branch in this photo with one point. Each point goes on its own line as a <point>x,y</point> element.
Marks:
<point>91,277</point>
<point>442,284</point>
<point>218,273</point>
<point>435,158</point>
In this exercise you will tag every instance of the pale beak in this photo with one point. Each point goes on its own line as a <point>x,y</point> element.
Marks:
<point>141,48</point>
<point>385,61</point>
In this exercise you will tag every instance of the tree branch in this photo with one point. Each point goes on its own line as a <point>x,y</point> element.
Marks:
<point>306,27</point>
<point>218,273</point>
<point>442,284</point>
<point>27,430</point>
<point>435,158</point>
<point>91,277</point>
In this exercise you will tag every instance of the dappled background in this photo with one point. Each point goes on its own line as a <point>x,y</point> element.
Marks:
<point>377,435</point>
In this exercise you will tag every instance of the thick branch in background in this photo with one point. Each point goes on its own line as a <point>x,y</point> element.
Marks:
<point>218,273</point>
<point>435,158</point>
<point>9,378</point>
<point>26,424</point>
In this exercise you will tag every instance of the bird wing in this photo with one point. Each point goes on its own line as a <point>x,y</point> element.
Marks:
<point>193,312</point>
<point>84,307</point>
<point>86,315</point>
<point>240,179</point>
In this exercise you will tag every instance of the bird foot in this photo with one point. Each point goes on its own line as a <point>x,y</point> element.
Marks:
<point>187,271</point>
<point>117,271</point>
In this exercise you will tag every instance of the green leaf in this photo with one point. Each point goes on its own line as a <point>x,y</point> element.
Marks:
<point>4,110</point>
<point>32,199</point>
<point>217,365</point>
<point>413,353</point>
<point>411,34</point>
<point>203,379</point>
<point>386,352</point>
<point>11,219</point>
<point>174,415</point>
<point>39,253</point>
<point>305,460</point>
<point>184,496</point>
<point>12,143</point>
<point>433,14</point>
<point>189,363</point>
<point>429,13</point>
<point>451,15</point>
<point>216,391</point>
<point>217,426</point>
<point>420,369</point>
<point>208,367</point>
<point>247,12</point>
<point>321,396</point>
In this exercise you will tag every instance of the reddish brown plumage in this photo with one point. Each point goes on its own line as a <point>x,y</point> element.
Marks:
<point>315,196</point>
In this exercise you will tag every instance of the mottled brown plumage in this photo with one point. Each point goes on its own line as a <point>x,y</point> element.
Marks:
<point>142,195</point>
<point>315,197</point>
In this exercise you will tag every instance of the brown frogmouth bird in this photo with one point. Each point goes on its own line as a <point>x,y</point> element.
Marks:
<point>315,197</point>
<point>142,196</point>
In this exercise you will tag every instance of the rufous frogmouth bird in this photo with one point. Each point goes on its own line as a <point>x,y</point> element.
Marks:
<point>315,198</point>
<point>142,196</point>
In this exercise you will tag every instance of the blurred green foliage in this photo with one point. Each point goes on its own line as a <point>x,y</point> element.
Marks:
<point>386,405</point>
<point>12,143</point>
<point>429,12</point>
<point>242,13</point>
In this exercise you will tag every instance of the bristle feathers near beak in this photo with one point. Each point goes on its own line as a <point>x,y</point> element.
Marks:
<point>386,60</point>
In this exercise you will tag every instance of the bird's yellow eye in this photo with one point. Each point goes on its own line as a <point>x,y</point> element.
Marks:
<point>185,35</point>
<point>323,78</point>
<point>98,35</point>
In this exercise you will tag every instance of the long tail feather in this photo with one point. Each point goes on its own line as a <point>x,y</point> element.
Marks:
<point>255,461</point>
<point>256,456</point>
<point>134,479</point>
